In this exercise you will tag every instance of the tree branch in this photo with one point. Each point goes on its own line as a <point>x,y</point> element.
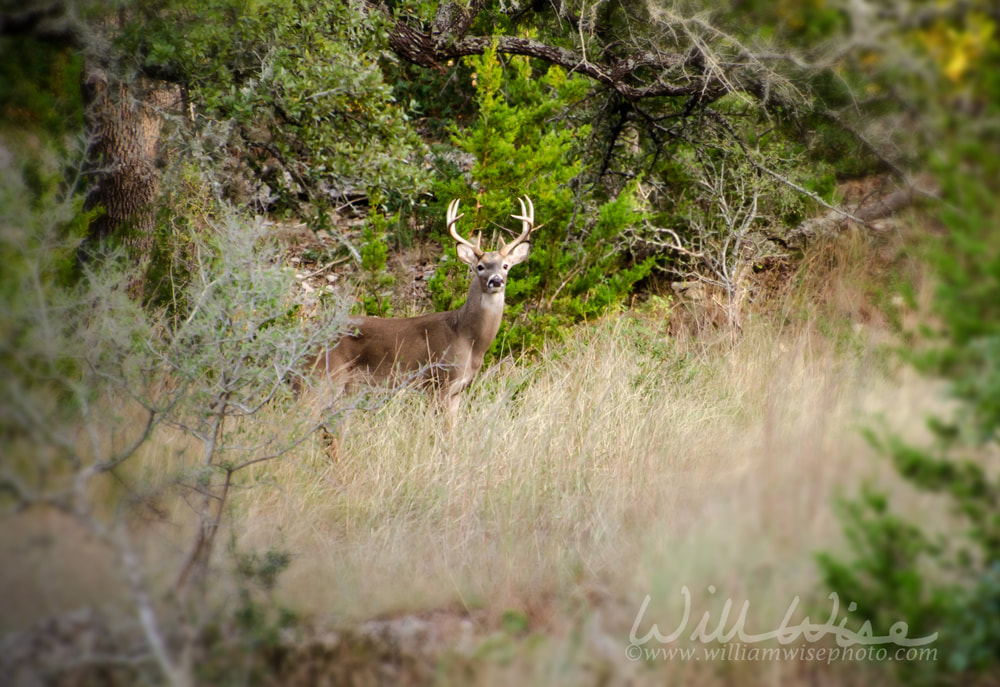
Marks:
<point>447,40</point>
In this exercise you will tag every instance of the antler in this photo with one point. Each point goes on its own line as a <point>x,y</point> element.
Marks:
<point>527,218</point>
<point>451,218</point>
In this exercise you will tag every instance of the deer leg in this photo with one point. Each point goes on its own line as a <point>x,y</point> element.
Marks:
<point>451,405</point>
<point>332,407</point>
<point>331,444</point>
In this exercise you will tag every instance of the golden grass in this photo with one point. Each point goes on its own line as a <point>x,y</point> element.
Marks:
<point>620,464</point>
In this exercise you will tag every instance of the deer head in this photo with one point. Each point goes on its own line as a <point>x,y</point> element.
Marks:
<point>491,268</point>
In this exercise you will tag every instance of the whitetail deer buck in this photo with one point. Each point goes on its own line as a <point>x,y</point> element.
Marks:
<point>443,349</point>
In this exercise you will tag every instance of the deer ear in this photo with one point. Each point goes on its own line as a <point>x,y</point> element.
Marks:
<point>467,255</point>
<point>519,254</point>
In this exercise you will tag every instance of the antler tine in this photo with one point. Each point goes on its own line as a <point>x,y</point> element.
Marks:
<point>527,218</point>
<point>451,219</point>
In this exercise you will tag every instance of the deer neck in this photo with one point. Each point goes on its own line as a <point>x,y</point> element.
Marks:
<point>479,318</point>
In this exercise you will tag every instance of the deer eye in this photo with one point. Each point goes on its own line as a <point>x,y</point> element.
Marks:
<point>506,266</point>
<point>480,267</point>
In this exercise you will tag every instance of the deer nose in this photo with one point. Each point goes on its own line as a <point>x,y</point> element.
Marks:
<point>495,282</point>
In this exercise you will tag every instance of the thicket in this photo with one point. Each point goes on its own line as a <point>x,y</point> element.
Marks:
<point>90,380</point>
<point>946,579</point>
<point>298,109</point>
<point>298,85</point>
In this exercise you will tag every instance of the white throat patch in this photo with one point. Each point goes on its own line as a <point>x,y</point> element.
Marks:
<point>491,302</point>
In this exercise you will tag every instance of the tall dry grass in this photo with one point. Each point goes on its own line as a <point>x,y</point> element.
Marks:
<point>621,463</point>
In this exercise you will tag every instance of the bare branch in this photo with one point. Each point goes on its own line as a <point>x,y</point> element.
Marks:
<point>752,159</point>
<point>147,614</point>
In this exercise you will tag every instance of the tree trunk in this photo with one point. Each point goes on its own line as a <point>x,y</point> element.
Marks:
<point>123,125</point>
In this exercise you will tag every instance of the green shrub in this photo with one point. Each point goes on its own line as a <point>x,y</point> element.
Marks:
<point>300,83</point>
<point>523,144</point>
<point>375,280</point>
